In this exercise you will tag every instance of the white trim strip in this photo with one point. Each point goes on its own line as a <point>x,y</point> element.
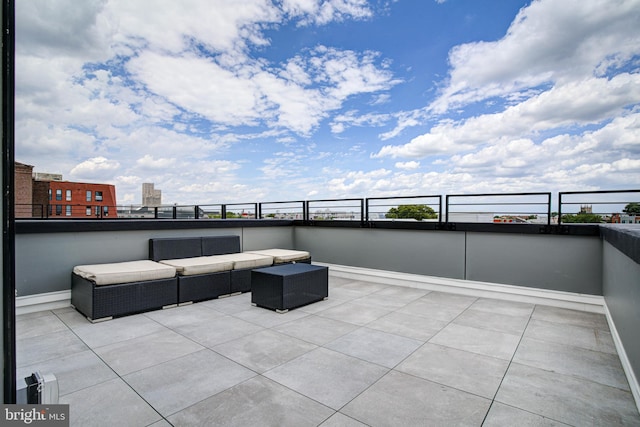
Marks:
<point>624,360</point>
<point>574,301</point>
<point>41,302</point>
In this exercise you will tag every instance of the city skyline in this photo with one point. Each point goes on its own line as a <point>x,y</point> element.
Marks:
<point>304,99</point>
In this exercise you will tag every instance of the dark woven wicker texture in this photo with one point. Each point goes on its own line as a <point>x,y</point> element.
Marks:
<point>220,245</point>
<point>288,286</point>
<point>97,302</point>
<point>203,286</point>
<point>174,247</point>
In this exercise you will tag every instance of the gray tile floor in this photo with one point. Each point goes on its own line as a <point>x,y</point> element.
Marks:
<point>369,355</point>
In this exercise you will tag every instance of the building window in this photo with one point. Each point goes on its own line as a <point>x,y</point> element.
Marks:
<point>88,195</point>
<point>49,194</point>
<point>68,195</point>
<point>58,194</point>
<point>88,210</point>
<point>68,213</point>
<point>58,209</point>
<point>97,211</point>
<point>98,196</point>
<point>105,210</point>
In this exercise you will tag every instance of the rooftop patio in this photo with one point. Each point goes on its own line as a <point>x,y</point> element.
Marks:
<point>372,354</point>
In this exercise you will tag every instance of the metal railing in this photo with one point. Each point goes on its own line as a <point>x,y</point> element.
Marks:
<point>520,208</point>
<point>417,208</point>
<point>610,206</point>
<point>616,206</point>
<point>335,210</point>
<point>296,210</point>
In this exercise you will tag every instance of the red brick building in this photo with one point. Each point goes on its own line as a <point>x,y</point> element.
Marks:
<point>23,190</point>
<point>46,195</point>
<point>75,199</point>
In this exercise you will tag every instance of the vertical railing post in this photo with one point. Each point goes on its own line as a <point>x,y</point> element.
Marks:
<point>446,217</point>
<point>223,213</point>
<point>548,208</point>
<point>175,211</point>
<point>155,212</point>
<point>440,209</point>
<point>363,217</point>
<point>196,212</point>
<point>259,211</point>
<point>559,208</point>
<point>366,212</point>
<point>255,210</point>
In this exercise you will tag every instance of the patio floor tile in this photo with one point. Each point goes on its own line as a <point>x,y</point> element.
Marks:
<point>179,383</point>
<point>116,330</point>
<point>578,336</point>
<point>30,351</point>
<point>476,340</point>
<point>568,399</point>
<point>459,369</point>
<point>571,317</point>
<point>138,353</point>
<point>112,403</point>
<point>256,402</point>
<point>502,415</point>
<point>73,372</point>
<point>375,346</point>
<point>508,324</point>
<point>407,325</point>
<point>264,350</point>
<point>226,328</point>
<point>604,368</point>
<point>327,376</point>
<point>352,312</point>
<point>399,399</point>
<point>316,329</point>
<point>510,308</point>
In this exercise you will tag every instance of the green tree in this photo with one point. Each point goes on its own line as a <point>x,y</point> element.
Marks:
<point>632,208</point>
<point>417,212</point>
<point>582,218</point>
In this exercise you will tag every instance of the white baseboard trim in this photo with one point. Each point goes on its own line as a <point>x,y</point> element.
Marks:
<point>41,302</point>
<point>624,360</point>
<point>574,301</point>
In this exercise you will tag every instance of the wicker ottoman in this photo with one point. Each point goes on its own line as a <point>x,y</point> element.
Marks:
<point>288,286</point>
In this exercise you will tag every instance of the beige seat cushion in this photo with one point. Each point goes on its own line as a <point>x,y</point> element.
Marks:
<point>124,272</point>
<point>248,260</point>
<point>199,265</point>
<point>283,255</point>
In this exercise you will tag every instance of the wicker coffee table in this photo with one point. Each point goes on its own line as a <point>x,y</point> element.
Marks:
<point>288,286</point>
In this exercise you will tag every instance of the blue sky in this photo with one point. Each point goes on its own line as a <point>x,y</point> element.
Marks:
<point>222,101</point>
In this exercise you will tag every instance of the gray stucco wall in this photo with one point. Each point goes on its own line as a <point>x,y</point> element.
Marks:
<point>564,263</point>
<point>44,261</point>
<point>621,287</point>
<point>434,253</point>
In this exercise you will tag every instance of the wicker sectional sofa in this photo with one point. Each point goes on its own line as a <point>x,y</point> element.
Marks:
<point>179,271</point>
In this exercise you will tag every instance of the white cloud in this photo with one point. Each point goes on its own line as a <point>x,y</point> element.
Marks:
<point>96,168</point>
<point>548,41</point>
<point>412,165</point>
<point>149,162</point>
<point>322,12</point>
<point>589,101</point>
